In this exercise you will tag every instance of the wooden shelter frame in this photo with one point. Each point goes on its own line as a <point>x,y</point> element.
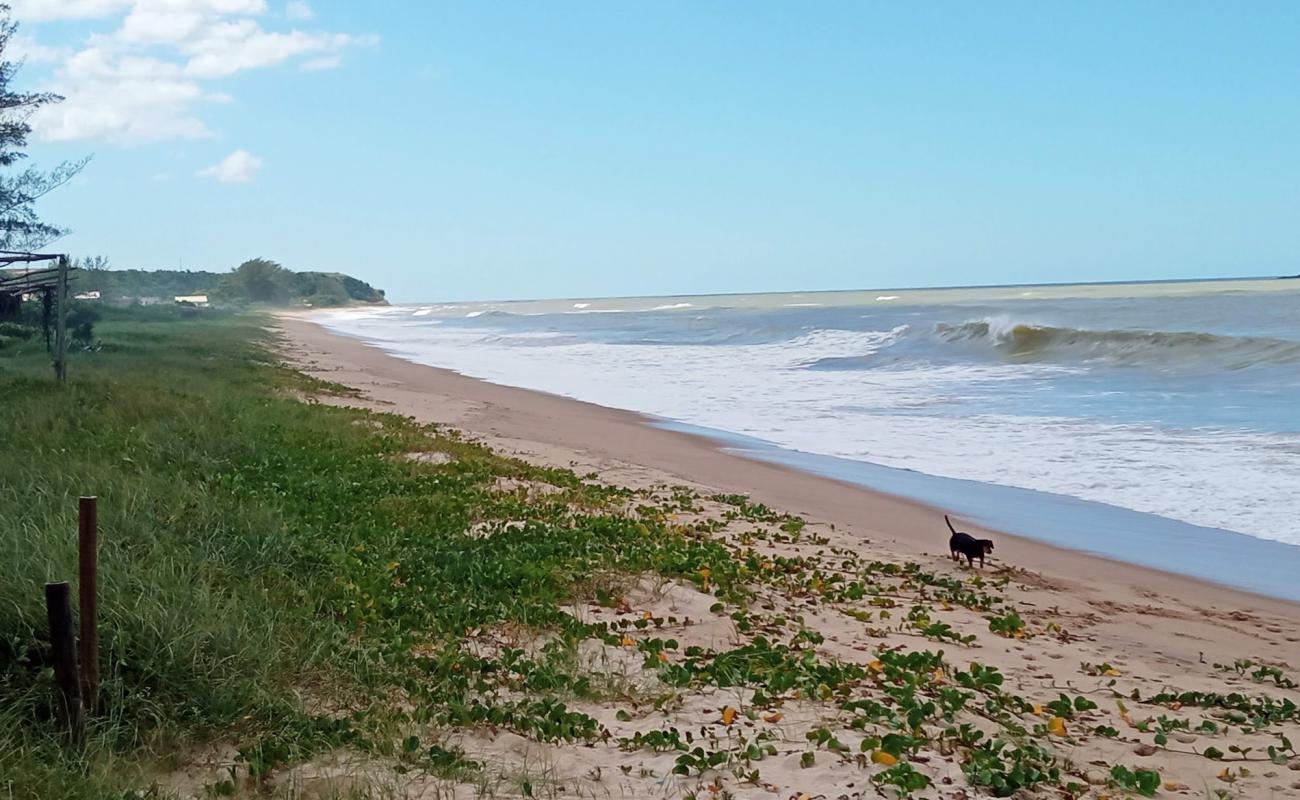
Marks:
<point>52,284</point>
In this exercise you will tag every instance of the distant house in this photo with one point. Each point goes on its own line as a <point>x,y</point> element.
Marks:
<point>200,300</point>
<point>86,296</point>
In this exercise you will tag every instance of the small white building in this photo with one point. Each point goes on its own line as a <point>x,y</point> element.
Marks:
<point>200,300</point>
<point>86,296</point>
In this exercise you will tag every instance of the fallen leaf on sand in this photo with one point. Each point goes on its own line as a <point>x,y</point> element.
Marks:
<point>775,716</point>
<point>881,757</point>
<point>728,715</point>
<point>1056,726</point>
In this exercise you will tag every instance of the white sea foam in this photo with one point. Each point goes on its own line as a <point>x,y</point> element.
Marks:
<point>886,297</point>
<point>671,306</point>
<point>1242,480</point>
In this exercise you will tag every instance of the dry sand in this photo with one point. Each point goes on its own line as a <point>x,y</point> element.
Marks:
<point>1159,631</point>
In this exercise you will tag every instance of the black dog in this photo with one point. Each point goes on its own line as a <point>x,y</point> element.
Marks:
<point>963,544</point>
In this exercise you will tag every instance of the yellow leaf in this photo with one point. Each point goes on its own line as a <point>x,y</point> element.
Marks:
<point>881,757</point>
<point>1056,726</point>
<point>628,641</point>
<point>705,572</point>
<point>393,565</point>
<point>1038,710</point>
<point>876,666</point>
<point>774,717</point>
<point>937,677</point>
<point>646,615</point>
<point>728,715</point>
<point>1111,673</point>
<point>1175,786</point>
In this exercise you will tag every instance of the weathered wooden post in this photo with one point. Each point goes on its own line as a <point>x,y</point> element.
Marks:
<point>88,594</point>
<point>64,655</point>
<point>61,323</point>
<point>46,309</point>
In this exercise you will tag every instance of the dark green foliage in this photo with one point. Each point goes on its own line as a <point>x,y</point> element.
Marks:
<point>258,281</point>
<point>255,281</point>
<point>1145,782</point>
<point>81,323</point>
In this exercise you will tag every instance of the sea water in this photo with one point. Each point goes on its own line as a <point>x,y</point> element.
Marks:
<point>1175,402</point>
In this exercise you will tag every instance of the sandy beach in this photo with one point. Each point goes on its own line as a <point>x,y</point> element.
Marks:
<point>1152,631</point>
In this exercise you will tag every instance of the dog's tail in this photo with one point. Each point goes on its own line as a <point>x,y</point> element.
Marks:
<point>950,527</point>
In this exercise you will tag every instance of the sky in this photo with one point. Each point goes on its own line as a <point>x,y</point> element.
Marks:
<point>496,150</point>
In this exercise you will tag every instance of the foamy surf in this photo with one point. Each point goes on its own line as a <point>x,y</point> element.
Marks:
<point>1120,401</point>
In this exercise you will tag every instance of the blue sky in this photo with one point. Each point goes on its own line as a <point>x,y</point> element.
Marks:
<point>510,150</point>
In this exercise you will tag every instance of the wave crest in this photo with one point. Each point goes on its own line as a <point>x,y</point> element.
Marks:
<point>1028,342</point>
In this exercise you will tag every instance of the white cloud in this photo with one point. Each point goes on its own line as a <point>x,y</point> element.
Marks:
<point>45,10</point>
<point>24,48</point>
<point>299,10</point>
<point>325,62</point>
<point>238,167</point>
<point>146,80</point>
<point>121,98</point>
<point>231,47</point>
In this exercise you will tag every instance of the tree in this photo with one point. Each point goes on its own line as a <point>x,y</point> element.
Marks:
<point>95,263</point>
<point>20,227</point>
<point>262,281</point>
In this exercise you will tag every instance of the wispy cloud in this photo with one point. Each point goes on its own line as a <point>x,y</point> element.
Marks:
<point>298,9</point>
<point>238,167</point>
<point>147,80</point>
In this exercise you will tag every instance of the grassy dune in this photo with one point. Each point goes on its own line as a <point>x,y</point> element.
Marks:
<point>310,600</point>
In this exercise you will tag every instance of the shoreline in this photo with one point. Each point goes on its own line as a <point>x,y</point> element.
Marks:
<point>565,431</point>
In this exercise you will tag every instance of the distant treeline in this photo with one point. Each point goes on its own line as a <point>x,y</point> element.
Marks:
<point>254,281</point>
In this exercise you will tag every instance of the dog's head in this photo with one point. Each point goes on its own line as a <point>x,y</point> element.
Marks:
<point>987,544</point>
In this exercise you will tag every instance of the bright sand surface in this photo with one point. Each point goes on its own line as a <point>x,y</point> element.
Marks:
<point>1161,632</point>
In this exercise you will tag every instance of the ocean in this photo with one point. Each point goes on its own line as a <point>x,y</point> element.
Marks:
<point>1125,419</point>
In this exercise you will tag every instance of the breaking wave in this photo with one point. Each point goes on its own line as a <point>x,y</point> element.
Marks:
<point>1027,342</point>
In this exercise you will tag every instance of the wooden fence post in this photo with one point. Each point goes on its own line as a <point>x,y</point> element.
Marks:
<point>88,595</point>
<point>63,653</point>
<point>61,324</point>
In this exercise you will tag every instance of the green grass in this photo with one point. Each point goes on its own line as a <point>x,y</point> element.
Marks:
<point>257,550</point>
